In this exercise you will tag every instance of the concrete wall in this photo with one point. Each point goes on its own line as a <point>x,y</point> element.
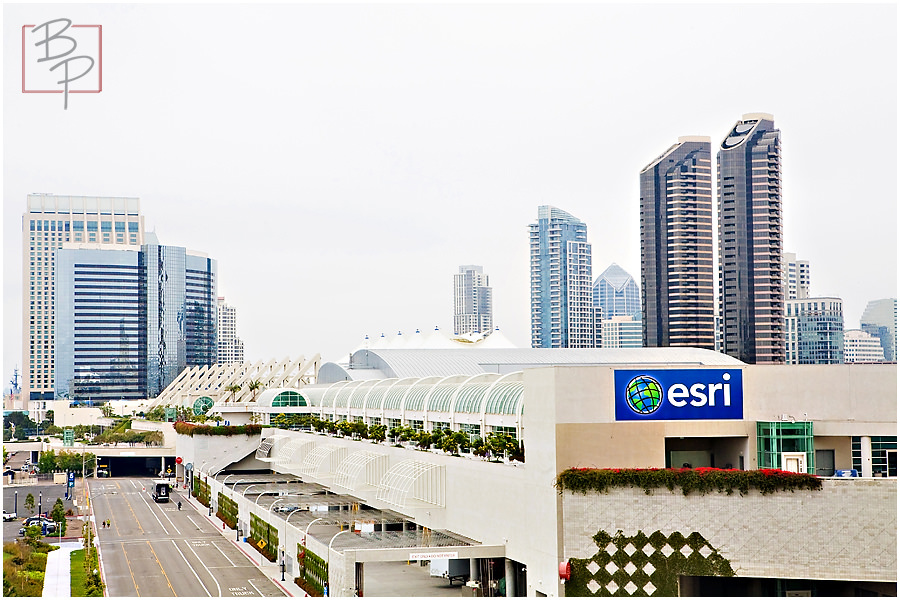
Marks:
<point>848,530</point>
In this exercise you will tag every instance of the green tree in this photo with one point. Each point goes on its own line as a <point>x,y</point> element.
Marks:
<point>58,514</point>
<point>254,387</point>
<point>377,433</point>
<point>47,461</point>
<point>234,388</point>
<point>33,534</point>
<point>29,502</point>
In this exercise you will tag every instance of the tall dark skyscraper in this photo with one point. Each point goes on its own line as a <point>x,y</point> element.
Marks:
<point>751,292</point>
<point>677,279</point>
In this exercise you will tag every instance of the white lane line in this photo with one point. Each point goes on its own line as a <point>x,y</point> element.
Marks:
<point>203,562</point>
<point>153,512</point>
<point>133,484</point>
<point>174,543</point>
<point>170,520</point>
<point>194,522</point>
<point>223,554</point>
<point>250,581</point>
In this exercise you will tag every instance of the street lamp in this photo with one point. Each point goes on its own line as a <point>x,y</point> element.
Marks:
<point>16,505</point>
<point>282,564</point>
<point>332,541</point>
<point>40,500</point>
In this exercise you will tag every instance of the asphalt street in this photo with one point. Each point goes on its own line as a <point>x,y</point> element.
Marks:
<point>156,550</point>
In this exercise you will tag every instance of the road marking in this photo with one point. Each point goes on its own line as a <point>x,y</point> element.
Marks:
<point>128,564</point>
<point>223,554</point>
<point>153,512</point>
<point>250,581</point>
<point>132,513</point>
<point>203,562</point>
<point>113,521</point>
<point>208,593</point>
<point>194,522</point>
<point>163,570</point>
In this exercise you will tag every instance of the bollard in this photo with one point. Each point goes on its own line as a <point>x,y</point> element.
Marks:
<point>223,525</point>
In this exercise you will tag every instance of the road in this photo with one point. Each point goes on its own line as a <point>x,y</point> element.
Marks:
<point>156,550</point>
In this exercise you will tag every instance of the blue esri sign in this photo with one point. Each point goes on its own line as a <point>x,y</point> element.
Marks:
<point>679,394</point>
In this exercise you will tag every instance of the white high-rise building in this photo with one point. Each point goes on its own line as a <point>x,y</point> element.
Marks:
<point>814,331</point>
<point>622,332</point>
<point>562,307</point>
<point>231,348</point>
<point>48,223</point>
<point>472,301</point>
<point>861,347</point>
<point>796,277</point>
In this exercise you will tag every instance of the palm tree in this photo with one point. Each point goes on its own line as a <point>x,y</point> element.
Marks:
<point>234,388</point>
<point>253,386</point>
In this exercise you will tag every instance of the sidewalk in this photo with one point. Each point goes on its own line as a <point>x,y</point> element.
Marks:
<point>57,582</point>
<point>270,570</point>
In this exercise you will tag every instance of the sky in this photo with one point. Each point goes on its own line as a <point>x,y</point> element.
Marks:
<point>340,162</point>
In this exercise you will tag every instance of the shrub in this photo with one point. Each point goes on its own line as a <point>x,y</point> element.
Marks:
<point>702,480</point>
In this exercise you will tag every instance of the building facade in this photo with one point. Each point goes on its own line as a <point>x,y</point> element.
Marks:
<point>616,293</point>
<point>880,319</point>
<point>562,308</point>
<point>48,223</point>
<point>814,331</point>
<point>622,332</point>
<point>472,301</point>
<point>129,321</point>
<point>861,347</point>
<point>231,348</point>
<point>796,277</point>
<point>751,290</point>
<point>677,277</point>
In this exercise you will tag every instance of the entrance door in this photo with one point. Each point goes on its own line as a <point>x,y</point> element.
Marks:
<point>793,461</point>
<point>892,463</point>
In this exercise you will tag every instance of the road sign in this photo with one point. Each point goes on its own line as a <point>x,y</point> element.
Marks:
<point>68,437</point>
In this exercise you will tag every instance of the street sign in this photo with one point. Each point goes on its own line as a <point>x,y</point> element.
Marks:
<point>69,437</point>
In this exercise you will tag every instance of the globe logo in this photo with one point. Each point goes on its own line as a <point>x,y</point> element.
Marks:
<point>644,395</point>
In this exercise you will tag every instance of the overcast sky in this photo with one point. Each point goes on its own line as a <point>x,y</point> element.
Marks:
<point>340,162</point>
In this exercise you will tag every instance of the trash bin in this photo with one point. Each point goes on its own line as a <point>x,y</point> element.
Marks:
<point>245,540</point>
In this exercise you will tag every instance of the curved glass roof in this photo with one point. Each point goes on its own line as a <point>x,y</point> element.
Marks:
<point>442,397</point>
<point>505,398</point>
<point>393,400</point>
<point>415,396</point>
<point>375,396</point>
<point>289,398</point>
<point>342,399</point>
<point>470,397</point>
<point>358,397</point>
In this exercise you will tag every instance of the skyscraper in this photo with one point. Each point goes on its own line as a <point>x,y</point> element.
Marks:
<point>880,319</point>
<point>472,301</point>
<point>796,277</point>
<point>616,293</point>
<point>231,348</point>
<point>814,331</point>
<point>129,321</point>
<point>751,293</point>
<point>562,311</point>
<point>677,279</point>
<point>48,223</point>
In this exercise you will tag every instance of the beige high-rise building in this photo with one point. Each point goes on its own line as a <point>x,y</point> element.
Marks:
<point>231,348</point>
<point>50,222</point>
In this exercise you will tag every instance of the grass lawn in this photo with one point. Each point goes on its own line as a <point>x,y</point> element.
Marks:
<point>77,574</point>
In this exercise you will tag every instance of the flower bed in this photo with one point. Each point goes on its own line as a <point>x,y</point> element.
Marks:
<point>701,480</point>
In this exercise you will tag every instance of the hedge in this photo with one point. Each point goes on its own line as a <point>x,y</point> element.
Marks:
<point>702,480</point>
<point>191,429</point>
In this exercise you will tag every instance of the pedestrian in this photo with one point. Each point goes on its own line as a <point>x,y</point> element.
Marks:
<point>179,505</point>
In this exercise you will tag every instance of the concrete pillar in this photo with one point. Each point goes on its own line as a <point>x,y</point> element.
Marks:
<point>510,579</point>
<point>474,574</point>
<point>865,443</point>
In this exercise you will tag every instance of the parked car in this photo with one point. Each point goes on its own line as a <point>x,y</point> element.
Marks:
<point>9,516</point>
<point>48,525</point>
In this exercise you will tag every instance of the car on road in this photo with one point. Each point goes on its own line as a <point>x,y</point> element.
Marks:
<point>9,516</point>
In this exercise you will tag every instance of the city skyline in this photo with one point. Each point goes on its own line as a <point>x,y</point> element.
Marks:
<point>369,166</point>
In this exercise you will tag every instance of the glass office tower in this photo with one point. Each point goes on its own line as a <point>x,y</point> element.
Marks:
<point>130,321</point>
<point>677,279</point>
<point>472,301</point>
<point>616,294</point>
<point>562,311</point>
<point>751,292</point>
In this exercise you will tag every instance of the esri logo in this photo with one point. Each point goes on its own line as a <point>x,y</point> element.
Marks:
<point>61,58</point>
<point>644,395</point>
